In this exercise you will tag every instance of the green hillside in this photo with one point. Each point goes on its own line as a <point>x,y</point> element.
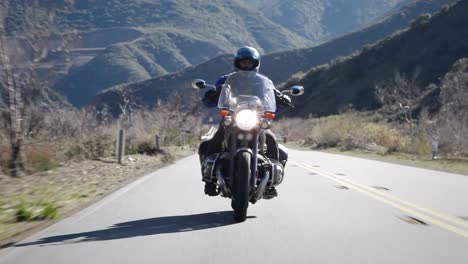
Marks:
<point>319,19</point>
<point>135,62</point>
<point>179,34</point>
<point>312,19</point>
<point>281,65</point>
<point>427,51</point>
<point>185,33</point>
<point>33,93</point>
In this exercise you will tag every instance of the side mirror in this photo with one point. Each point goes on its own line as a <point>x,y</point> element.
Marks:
<point>198,84</point>
<point>295,90</point>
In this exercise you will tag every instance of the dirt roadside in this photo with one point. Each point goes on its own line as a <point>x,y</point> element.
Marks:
<point>31,203</point>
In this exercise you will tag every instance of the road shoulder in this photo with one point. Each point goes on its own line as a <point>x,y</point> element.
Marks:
<point>452,165</point>
<point>67,190</point>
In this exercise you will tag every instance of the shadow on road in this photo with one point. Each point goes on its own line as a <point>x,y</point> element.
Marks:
<point>145,227</point>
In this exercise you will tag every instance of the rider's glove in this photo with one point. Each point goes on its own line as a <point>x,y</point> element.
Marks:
<point>210,94</point>
<point>285,100</point>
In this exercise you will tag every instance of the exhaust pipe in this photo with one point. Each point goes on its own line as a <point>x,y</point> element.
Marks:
<point>222,184</point>
<point>261,187</point>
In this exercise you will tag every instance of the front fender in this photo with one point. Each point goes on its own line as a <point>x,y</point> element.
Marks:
<point>242,150</point>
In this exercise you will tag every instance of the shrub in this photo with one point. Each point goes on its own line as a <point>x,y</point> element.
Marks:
<point>40,158</point>
<point>74,151</point>
<point>293,129</point>
<point>22,213</point>
<point>5,155</point>
<point>94,146</point>
<point>381,135</point>
<point>421,20</point>
<point>97,145</point>
<point>38,212</point>
<point>130,150</point>
<point>419,144</point>
<point>330,131</point>
<point>351,130</point>
<point>49,211</point>
<point>146,147</point>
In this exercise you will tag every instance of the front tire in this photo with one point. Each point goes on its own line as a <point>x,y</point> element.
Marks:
<point>241,182</point>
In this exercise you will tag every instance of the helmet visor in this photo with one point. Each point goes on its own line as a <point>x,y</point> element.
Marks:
<point>247,64</point>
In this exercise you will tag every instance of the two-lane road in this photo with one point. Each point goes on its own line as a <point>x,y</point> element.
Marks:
<point>330,209</point>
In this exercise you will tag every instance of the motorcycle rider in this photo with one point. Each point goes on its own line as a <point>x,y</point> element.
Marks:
<point>245,59</point>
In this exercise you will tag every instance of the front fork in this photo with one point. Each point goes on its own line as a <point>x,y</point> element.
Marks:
<point>237,147</point>
<point>254,163</point>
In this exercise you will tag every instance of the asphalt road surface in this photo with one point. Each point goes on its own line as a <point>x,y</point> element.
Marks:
<point>330,209</point>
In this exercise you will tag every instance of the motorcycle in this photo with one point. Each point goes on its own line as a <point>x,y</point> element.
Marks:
<point>242,171</point>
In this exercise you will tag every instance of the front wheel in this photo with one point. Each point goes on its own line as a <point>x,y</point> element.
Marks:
<point>241,187</point>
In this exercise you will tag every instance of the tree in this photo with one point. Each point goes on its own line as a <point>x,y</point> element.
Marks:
<point>14,97</point>
<point>126,105</point>
<point>402,92</point>
<point>19,81</point>
<point>454,113</point>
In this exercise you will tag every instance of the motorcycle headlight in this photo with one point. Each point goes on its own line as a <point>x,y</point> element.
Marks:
<point>246,119</point>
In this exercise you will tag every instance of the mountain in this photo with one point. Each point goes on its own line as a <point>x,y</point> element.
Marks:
<point>423,53</point>
<point>12,54</point>
<point>278,66</point>
<point>40,98</point>
<point>178,34</point>
<point>314,19</point>
<point>320,19</point>
<point>454,94</point>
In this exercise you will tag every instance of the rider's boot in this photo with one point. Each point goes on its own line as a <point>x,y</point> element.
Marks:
<point>210,189</point>
<point>270,193</point>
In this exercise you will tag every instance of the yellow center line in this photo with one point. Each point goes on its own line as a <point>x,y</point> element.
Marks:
<point>446,217</point>
<point>395,202</point>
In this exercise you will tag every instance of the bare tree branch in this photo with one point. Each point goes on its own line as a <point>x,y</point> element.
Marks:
<point>401,91</point>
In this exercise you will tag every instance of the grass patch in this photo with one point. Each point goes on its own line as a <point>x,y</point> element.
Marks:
<point>93,146</point>
<point>40,158</point>
<point>146,147</point>
<point>43,211</point>
<point>23,213</point>
<point>355,131</point>
<point>38,191</point>
<point>49,211</point>
<point>79,196</point>
<point>28,201</point>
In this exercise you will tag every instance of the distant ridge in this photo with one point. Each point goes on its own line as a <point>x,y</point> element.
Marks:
<point>179,33</point>
<point>278,66</point>
<point>430,47</point>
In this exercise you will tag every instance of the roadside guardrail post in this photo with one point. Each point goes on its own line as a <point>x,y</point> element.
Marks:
<point>157,143</point>
<point>120,146</point>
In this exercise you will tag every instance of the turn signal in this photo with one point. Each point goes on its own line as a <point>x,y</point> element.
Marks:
<point>224,113</point>
<point>270,115</point>
<point>227,121</point>
<point>265,123</point>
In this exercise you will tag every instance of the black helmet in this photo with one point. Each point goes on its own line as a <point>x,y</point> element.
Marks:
<point>247,53</point>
